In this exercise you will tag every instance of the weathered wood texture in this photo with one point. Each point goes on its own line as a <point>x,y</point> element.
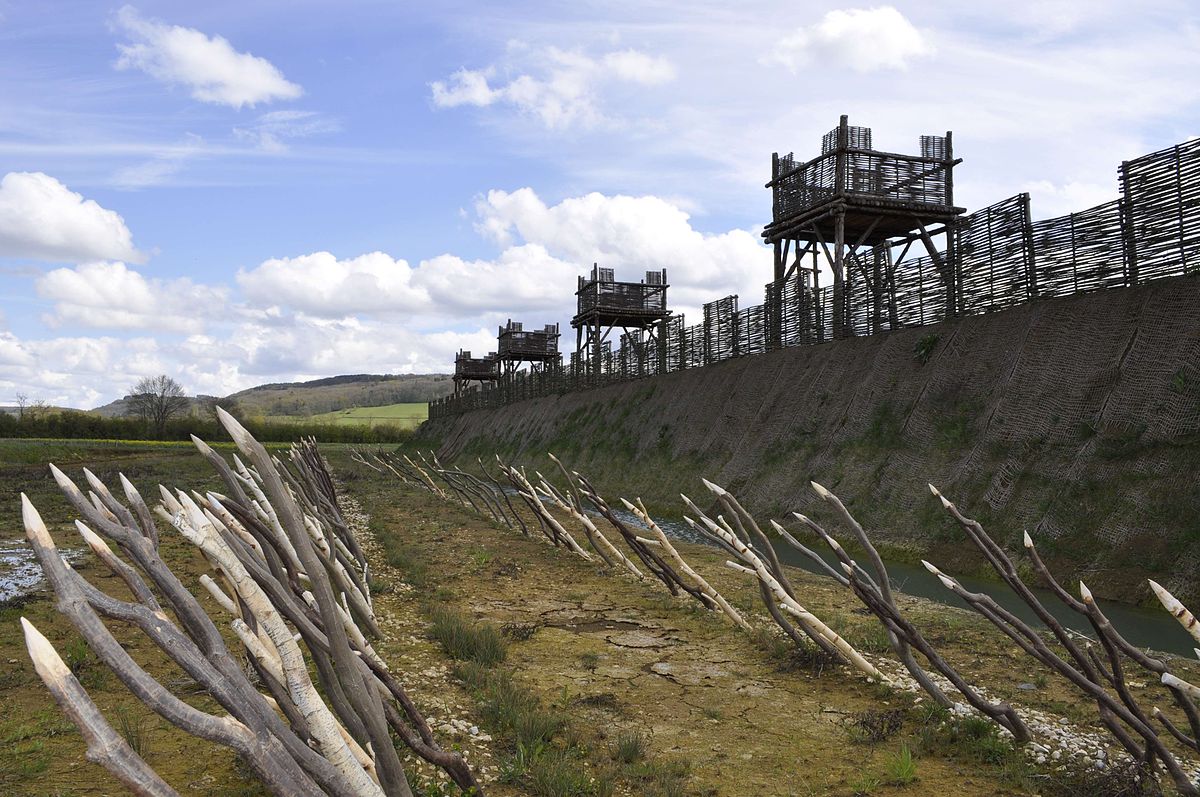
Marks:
<point>997,258</point>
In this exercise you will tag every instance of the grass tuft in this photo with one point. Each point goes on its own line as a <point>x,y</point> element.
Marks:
<point>629,747</point>
<point>901,768</point>
<point>465,640</point>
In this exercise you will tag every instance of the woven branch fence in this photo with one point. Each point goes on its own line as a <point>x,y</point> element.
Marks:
<point>1001,258</point>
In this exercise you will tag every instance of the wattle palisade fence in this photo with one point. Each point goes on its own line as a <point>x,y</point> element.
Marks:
<point>1001,258</point>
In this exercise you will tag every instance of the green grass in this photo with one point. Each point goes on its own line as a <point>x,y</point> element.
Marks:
<point>630,747</point>
<point>901,768</point>
<point>511,710</point>
<point>406,416</point>
<point>465,640</point>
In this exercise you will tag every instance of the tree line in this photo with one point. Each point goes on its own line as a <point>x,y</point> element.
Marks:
<point>75,424</point>
<point>160,410</point>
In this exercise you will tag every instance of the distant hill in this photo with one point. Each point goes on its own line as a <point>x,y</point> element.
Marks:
<point>340,392</point>
<point>197,405</point>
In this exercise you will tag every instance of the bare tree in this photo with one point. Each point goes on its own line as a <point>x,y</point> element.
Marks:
<point>158,399</point>
<point>22,404</point>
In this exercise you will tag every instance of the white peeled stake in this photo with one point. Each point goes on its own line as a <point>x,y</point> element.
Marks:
<point>660,539</point>
<point>104,745</point>
<point>594,533</point>
<point>1177,610</point>
<point>787,602</point>
<point>947,582</point>
<point>196,527</point>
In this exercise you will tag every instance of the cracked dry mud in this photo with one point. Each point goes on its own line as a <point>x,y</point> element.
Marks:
<point>621,654</point>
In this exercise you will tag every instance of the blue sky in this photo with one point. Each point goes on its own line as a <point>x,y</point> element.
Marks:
<point>235,193</point>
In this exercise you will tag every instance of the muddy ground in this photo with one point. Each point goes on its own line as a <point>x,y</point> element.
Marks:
<point>623,655</point>
<point>612,654</point>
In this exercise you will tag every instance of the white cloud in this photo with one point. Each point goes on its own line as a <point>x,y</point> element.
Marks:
<point>320,284</point>
<point>542,250</point>
<point>861,39</point>
<point>271,131</point>
<point>113,296</point>
<point>560,88</point>
<point>207,65</point>
<point>42,219</point>
<point>637,67</point>
<point>632,235</point>
<point>1048,199</point>
<point>315,315</point>
<point>158,169</point>
<point>466,87</point>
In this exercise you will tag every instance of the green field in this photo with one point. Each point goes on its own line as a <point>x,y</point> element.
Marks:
<point>406,416</point>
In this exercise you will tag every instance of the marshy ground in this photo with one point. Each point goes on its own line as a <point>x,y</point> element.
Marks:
<point>554,676</point>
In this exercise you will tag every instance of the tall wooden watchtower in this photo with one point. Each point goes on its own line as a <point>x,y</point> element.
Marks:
<point>854,203</point>
<point>538,347</point>
<point>474,369</point>
<point>605,304</point>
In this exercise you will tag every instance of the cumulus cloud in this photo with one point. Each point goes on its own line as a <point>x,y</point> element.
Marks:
<point>542,250</point>
<point>42,219</point>
<point>861,39</point>
<point>558,87</point>
<point>318,314</point>
<point>114,296</point>
<point>632,234</point>
<point>321,284</point>
<point>76,371</point>
<point>208,66</point>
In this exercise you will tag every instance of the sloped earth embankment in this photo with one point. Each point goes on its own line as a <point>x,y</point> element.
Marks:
<point>1077,419</point>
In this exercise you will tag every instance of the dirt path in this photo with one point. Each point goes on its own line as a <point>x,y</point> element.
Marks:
<point>623,655</point>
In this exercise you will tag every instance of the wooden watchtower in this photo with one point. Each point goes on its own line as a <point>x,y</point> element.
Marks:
<point>605,304</point>
<point>538,347</point>
<point>474,369</point>
<point>853,198</point>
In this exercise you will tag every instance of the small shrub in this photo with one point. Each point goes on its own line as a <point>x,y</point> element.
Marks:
<point>790,657</point>
<point>662,778</point>
<point>864,785</point>
<point>873,726</point>
<point>924,348</point>
<point>465,640</point>
<point>404,559</point>
<point>1121,780</point>
<point>508,708</point>
<point>590,661</point>
<point>974,738</point>
<point>518,632</point>
<point>557,773</point>
<point>901,768</point>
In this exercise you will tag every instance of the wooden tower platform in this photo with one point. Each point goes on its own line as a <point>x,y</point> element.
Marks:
<point>474,369</point>
<point>605,304</point>
<point>515,345</point>
<point>854,203</point>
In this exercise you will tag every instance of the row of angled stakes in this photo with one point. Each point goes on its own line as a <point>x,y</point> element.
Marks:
<point>289,573</point>
<point>1149,737</point>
